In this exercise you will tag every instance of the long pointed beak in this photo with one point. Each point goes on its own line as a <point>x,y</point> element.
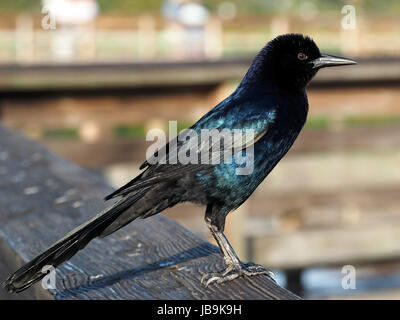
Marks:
<point>330,61</point>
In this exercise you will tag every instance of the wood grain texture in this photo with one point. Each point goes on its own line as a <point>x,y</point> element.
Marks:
<point>43,196</point>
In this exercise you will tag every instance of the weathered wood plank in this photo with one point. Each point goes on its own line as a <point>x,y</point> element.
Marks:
<point>120,75</point>
<point>43,196</point>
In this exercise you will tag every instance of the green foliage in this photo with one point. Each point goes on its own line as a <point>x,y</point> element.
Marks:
<point>125,6</point>
<point>387,6</point>
<point>324,122</point>
<point>318,122</point>
<point>371,120</point>
<point>139,131</point>
<point>253,7</point>
<point>12,6</point>
<point>61,133</point>
<point>130,131</point>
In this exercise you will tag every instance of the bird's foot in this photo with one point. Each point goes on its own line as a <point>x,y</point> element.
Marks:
<point>234,271</point>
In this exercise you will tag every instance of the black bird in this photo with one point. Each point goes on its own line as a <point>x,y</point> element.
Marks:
<point>271,100</point>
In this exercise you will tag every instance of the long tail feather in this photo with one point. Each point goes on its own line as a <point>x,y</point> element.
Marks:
<point>68,246</point>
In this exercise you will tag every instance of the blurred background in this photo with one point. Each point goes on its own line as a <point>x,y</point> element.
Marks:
<point>89,78</point>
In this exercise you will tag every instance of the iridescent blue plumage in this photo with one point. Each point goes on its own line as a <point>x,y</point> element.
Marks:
<point>260,106</point>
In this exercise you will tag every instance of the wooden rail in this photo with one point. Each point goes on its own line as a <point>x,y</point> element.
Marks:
<point>171,74</point>
<point>43,196</point>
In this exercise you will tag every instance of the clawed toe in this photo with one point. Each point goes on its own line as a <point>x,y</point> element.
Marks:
<point>210,278</point>
<point>233,272</point>
<point>224,276</point>
<point>252,269</point>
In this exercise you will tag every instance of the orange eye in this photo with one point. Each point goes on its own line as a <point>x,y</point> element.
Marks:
<point>302,56</point>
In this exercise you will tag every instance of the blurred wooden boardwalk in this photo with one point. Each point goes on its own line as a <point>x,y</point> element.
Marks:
<point>86,76</point>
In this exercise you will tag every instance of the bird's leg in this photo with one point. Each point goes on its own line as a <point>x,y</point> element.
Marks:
<point>234,267</point>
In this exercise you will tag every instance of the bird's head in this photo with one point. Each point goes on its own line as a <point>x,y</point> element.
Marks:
<point>293,60</point>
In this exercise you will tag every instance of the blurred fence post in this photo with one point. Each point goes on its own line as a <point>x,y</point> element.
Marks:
<point>213,46</point>
<point>146,37</point>
<point>87,41</point>
<point>349,42</point>
<point>24,38</point>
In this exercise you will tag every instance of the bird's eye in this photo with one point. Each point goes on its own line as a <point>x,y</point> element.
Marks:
<point>301,56</point>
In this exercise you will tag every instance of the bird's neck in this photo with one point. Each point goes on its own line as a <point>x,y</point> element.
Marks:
<point>263,72</point>
<point>258,73</point>
<point>260,79</point>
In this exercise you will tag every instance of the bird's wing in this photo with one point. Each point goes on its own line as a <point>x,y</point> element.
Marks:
<point>221,143</point>
<point>248,122</point>
<point>230,114</point>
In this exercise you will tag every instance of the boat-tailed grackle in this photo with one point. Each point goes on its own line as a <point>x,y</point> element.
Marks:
<point>270,101</point>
